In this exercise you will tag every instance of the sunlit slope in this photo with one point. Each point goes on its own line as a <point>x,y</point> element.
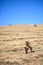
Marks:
<point>12,43</point>
<point>30,32</point>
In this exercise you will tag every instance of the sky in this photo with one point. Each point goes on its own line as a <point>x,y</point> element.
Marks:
<point>21,12</point>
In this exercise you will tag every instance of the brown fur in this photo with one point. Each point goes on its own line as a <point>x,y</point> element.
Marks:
<point>27,47</point>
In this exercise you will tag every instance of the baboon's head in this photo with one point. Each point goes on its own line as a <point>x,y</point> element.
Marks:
<point>27,43</point>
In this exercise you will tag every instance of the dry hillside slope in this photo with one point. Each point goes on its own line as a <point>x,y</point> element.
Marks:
<point>12,43</point>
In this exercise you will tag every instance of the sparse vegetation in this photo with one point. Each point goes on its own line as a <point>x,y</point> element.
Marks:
<point>12,43</point>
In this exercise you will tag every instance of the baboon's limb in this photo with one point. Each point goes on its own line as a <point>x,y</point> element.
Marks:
<point>26,50</point>
<point>30,48</point>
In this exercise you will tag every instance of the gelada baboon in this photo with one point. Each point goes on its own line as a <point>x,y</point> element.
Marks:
<point>27,47</point>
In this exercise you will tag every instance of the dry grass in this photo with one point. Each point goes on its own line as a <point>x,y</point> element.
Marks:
<point>12,42</point>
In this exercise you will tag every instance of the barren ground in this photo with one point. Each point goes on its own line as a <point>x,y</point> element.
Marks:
<point>12,43</point>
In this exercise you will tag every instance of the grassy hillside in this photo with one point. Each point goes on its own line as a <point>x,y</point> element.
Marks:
<point>12,43</point>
